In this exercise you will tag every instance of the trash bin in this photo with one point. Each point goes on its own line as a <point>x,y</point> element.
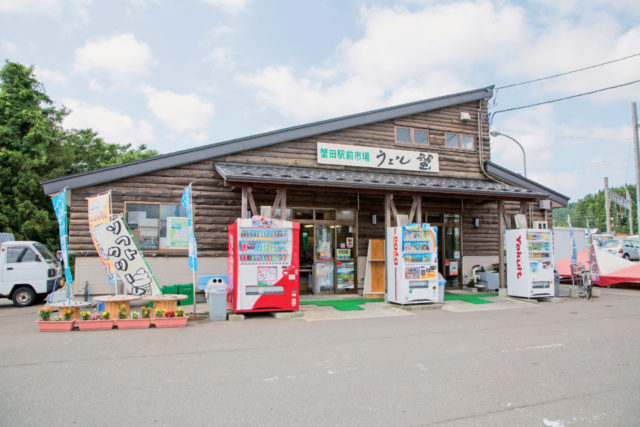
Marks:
<point>216,294</point>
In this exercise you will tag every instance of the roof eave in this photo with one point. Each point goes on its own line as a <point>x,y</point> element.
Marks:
<point>519,180</point>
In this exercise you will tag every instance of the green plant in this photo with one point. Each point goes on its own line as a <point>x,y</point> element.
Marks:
<point>134,315</point>
<point>67,313</point>
<point>179,312</point>
<point>160,312</point>
<point>85,315</point>
<point>44,313</point>
<point>106,315</point>
<point>122,313</point>
<point>57,318</point>
<point>145,311</point>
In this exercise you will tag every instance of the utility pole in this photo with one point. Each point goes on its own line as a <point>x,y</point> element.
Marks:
<point>607,204</point>
<point>634,119</point>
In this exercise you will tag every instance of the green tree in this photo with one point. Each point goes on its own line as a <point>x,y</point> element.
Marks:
<point>592,209</point>
<point>35,147</point>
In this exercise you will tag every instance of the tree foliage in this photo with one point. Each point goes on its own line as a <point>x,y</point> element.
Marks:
<point>35,147</point>
<point>592,209</point>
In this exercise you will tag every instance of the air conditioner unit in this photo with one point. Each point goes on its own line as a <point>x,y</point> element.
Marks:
<point>545,205</point>
<point>520,221</point>
<point>540,225</point>
<point>465,117</point>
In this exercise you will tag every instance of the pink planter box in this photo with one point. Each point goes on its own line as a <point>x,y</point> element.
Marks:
<point>133,323</point>
<point>170,322</point>
<point>95,325</point>
<point>55,326</point>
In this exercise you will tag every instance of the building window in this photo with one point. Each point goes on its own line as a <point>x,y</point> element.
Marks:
<point>456,140</point>
<point>158,226</point>
<point>412,136</point>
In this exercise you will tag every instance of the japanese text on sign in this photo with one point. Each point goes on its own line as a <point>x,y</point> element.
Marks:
<point>375,157</point>
<point>118,246</point>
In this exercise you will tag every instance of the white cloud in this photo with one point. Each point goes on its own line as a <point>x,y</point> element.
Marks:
<point>8,47</point>
<point>229,6</point>
<point>120,57</point>
<point>218,32</point>
<point>47,76</point>
<point>112,126</point>
<point>179,112</point>
<point>221,57</point>
<point>402,56</point>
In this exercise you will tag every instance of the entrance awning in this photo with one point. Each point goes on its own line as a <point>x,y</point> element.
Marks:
<point>321,177</point>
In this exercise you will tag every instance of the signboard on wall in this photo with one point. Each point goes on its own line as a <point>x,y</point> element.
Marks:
<point>377,158</point>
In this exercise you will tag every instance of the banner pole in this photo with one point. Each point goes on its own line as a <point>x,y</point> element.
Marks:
<point>193,272</point>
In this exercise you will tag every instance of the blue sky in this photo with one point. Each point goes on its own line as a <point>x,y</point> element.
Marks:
<point>178,74</point>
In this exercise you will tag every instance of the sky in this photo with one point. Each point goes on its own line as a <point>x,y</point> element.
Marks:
<point>179,74</point>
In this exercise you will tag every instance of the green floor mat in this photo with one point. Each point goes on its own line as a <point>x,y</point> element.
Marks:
<point>343,304</point>
<point>355,304</point>
<point>471,298</point>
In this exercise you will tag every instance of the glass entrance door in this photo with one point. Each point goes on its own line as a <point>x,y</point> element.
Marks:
<point>323,268</point>
<point>345,263</point>
<point>449,253</point>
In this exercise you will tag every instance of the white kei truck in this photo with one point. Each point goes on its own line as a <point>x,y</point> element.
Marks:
<point>28,272</point>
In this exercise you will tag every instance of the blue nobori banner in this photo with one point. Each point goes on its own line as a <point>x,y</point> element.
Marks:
<point>60,208</point>
<point>187,202</point>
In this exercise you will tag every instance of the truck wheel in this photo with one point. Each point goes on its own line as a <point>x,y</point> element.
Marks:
<point>23,296</point>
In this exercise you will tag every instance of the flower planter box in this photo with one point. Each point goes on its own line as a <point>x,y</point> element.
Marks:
<point>55,326</point>
<point>133,323</point>
<point>170,322</point>
<point>95,325</point>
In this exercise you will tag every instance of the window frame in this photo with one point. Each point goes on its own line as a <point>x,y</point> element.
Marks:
<point>412,130</point>
<point>460,139</point>
<point>159,204</point>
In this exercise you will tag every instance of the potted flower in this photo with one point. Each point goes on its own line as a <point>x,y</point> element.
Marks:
<point>168,319</point>
<point>145,312</point>
<point>45,324</point>
<point>95,321</point>
<point>134,321</point>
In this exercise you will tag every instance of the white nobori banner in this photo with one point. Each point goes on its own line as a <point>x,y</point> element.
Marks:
<point>377,157</point>
<point>118,246</point>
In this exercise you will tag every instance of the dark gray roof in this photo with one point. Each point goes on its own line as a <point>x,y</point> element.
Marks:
<point>519,180</point>
<point>211,151</point>
<point>240,172</point>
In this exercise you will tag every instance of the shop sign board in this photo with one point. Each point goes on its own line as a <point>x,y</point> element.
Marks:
<point>99,212</point>
<point>377,157</point>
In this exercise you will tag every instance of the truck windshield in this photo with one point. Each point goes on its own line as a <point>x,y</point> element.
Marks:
<point>46,253</point>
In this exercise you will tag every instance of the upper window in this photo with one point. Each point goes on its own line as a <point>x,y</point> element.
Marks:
<point>158,226</point>
<point>412,136</point>
<point>456,140</point>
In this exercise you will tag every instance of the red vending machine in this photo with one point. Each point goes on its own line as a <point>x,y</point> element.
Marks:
<point>264,264</point>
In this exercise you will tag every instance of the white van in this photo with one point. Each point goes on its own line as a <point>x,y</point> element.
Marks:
<point>28,272</point>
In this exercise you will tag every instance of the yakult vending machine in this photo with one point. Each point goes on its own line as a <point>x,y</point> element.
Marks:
<point>264,264</point>
<point>412,264</point>
<point>529,263</point>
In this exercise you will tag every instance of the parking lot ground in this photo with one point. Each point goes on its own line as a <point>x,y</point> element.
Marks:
<point>520,363</point>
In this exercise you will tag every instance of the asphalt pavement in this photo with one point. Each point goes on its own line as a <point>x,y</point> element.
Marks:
<point>516,363</point>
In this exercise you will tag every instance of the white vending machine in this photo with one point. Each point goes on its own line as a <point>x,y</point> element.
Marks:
<point>529,263</point>
<point>412,264</point>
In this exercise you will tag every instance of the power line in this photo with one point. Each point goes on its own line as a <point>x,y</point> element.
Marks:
<point>568,72</point>
<point>561,99</point>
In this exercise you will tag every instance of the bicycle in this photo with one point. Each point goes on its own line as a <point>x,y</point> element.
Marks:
<point>581,278</point>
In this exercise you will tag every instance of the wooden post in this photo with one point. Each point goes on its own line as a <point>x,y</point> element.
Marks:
<point>503,278</point>
<point>283,205</point>
<point>387,211</point>
<point>419,209</point>
<point>243,205</point>
<point>252,203</point>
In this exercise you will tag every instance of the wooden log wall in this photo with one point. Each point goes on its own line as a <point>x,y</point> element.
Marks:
<point>458,163</point>
<point>216,206</point>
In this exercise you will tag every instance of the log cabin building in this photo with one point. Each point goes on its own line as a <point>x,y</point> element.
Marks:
<point>344,180</point>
